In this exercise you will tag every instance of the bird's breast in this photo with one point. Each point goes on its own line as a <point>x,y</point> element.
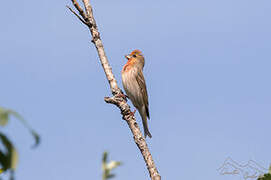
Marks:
<point>131,86</point>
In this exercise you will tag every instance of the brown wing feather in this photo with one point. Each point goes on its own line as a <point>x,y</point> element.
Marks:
<point>142,84</point>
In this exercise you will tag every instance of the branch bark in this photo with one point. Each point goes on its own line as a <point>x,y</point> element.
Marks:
<point>118,97</point>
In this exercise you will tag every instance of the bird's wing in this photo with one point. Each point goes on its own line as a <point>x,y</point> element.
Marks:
<point>142,84</point>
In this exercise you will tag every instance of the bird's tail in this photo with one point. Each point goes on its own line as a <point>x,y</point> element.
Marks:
<point>146,130</point>
<point>145,123</point>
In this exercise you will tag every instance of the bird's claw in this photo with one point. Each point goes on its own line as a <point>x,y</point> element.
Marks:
<point>129,115</point>
<point>133,113</point>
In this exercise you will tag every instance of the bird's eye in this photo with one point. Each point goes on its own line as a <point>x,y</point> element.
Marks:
<point>134,55</point>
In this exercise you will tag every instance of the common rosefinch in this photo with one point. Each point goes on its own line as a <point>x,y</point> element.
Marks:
<point>135,87</point>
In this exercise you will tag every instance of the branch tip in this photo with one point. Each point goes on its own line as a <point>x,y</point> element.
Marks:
<point>82,20</point>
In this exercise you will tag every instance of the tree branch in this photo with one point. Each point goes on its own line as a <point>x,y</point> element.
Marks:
<point>82,20</point>
<point>118,98</point>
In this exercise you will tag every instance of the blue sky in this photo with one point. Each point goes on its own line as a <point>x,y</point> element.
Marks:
<point>208,77</point>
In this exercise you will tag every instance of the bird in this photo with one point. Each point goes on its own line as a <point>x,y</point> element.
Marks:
<point>135,86</point>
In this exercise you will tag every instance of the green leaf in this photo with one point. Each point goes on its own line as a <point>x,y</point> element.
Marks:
<point>33,133</point>
<point>3,117</point>
<point>3,160</point>
<point>113,164</point>
<point>9,158</point>
<point>36,138</point>
<point>104,161</point>
<point>13,159</point>
<point>110,176</point>
<point>265,177</point>
<point>107,167</point>
<point>105,154</point>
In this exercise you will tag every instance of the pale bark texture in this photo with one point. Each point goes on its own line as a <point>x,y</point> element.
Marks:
<point>118,98</point>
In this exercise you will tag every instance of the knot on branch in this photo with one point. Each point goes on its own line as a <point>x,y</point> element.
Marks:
<point>120,100</point>
<point>95,36</point>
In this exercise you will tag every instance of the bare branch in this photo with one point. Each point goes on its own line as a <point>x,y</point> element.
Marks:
<point>79,9</point>
<point>118,98</point>
<point>82,20</point>
<point>86,4</point>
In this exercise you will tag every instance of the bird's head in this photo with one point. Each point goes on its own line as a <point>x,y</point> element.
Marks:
<point>136,56</point>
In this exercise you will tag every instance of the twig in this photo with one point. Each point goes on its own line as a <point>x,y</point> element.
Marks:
<point>82,20</point>
<point>80,10</point>
<point>118,98</point>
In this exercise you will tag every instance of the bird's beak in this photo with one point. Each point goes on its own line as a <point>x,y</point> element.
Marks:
<point>127,57</point>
